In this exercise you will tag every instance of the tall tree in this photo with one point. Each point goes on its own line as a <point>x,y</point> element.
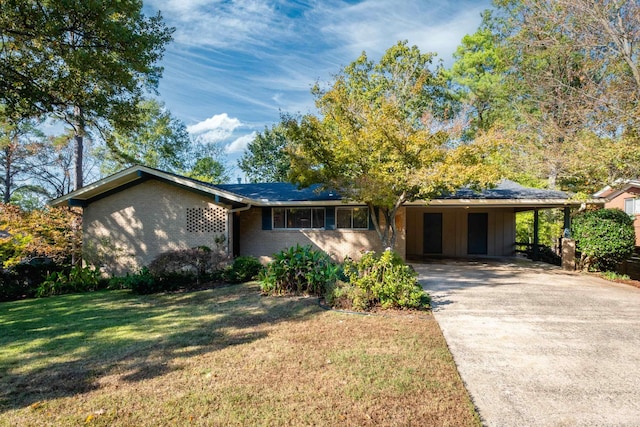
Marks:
<point>83,61</point>
<point>205,163</point>
<point>478,75</point>
<point>19,143</point>
<point>159,140</point>
<point>610,31</point>
<point>383,137</point>
<point>572,87</point>
<point>266,158</point>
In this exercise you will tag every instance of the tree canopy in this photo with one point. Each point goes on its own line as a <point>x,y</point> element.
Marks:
<point>266,158</point>
<point>159,141</point>
<point>82,61</point>
<point>385,136</point>
<point>562,81</point>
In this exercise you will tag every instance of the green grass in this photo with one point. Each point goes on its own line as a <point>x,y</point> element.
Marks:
<point>226,356</point>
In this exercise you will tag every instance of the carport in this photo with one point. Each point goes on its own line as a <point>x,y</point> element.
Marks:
<point>471,223</point>
<point>539,346</point>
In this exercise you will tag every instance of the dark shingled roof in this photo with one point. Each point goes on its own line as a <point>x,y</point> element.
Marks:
<point>280,192</point>
<point>508,190</point>
<point>285,192</point>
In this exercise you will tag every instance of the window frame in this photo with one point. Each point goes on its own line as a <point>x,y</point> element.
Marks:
<point>351,210</point>
<point>311,216</point>
<point>635,205</point>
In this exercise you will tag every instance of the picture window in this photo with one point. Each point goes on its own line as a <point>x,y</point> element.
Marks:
<point>297,218</point>
<point>354,218</point>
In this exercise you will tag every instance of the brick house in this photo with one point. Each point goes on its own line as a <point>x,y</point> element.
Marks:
<point>134,215</point>
<point>625,197</point>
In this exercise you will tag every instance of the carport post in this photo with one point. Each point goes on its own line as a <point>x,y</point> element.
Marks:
<point>536,226</point>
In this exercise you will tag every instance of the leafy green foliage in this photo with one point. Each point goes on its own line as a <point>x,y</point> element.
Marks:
<point>52,232</point>
<point>96,55</point>
<point>605,237</point>
<point>549,227</point>
<point>159,140</point>
<point>479,77</point>
<point>78,279</point>
<point>142,282</point>
<point>198,263</point>
<point>86,63</point>
<point>386,136</point>
<point>378,280</point>
<point>614,276</point>
<point>266,158</point>
<point>208,169</point>
<point>561,80</point>
<point>299,270</point>
<point>242,269</point>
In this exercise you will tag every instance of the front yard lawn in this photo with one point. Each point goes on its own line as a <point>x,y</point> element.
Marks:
<point>225,356</point>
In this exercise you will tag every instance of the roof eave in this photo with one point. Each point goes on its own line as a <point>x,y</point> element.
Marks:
<point>133,174</point>
<point>548,203</point>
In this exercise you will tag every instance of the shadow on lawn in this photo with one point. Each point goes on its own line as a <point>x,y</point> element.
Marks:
<point>65,346</point>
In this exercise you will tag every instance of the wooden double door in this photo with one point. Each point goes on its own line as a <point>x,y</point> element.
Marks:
<point>477,233</point>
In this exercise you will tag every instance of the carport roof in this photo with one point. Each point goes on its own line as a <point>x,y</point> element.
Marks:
<point>506,190</point>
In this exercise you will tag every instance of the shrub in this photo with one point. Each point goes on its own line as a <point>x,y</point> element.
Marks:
<point>378,280</point>
<point>142,282</point>
<point>54,233</point>
<point>13,287</point>
<point>613,276</point>
<point>23,279</point>
<point>243,269</point>
<point>78,279</point>
<point>299,270</point>
<point>605,237</point>
<point>186,264</point>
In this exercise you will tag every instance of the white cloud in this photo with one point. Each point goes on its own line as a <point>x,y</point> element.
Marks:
<point>217,23</point>
<point>215,129</point>
<point>240,144</point>
<point>375,25</point>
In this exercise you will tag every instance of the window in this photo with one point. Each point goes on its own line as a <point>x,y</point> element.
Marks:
<point>298,218</point>
<point>632,206</point>
<point>356,218</point>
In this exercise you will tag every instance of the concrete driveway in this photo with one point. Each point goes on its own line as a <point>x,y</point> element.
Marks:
<point>537,346</point>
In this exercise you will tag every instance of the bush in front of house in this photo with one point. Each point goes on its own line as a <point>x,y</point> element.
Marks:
<point>242,269</point>
<point>22,280</point>
<point>185,266</point>
<point>605,237</point>
<point>378,280</point>
<point>299,270</point>
<point>77,279</point>
<point>141,282</point>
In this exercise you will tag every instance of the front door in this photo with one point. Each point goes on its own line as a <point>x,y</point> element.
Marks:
<point>477,233</point>
<point>432,230</point>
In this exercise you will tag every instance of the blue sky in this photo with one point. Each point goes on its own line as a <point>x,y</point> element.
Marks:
<point>234,65</point>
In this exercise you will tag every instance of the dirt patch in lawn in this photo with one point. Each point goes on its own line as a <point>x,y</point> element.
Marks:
<point>222,357</point>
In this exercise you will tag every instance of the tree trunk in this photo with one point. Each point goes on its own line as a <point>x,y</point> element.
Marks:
<point>79,146</point>
<point>388,235</point>
<point>7,174</point>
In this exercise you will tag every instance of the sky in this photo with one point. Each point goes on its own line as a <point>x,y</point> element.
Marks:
<point>234,66</point>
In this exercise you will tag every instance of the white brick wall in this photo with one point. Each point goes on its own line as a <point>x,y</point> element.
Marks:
<point>128,229</point>
<point>339,243</point>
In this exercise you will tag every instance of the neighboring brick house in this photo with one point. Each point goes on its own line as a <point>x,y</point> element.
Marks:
<point>132,216</point>
<point>625,196</point>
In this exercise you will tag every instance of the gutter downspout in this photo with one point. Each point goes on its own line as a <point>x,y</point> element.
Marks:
<point>230,226</point>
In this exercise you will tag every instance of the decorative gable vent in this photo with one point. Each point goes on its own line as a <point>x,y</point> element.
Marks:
<point>206,220</point>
